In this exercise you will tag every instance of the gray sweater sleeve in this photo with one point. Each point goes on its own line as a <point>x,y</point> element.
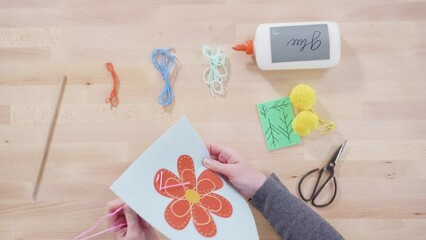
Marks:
<point>289,216</point>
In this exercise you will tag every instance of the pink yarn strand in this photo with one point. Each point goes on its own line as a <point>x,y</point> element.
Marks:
<point>97,223</point>
<point>160,177</point>
<point>118,227</point>
<point>175,185</point>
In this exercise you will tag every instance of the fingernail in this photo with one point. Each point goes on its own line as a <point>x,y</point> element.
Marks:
<point>206,161</point>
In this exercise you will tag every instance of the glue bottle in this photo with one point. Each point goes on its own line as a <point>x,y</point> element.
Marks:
<point>301,45</point>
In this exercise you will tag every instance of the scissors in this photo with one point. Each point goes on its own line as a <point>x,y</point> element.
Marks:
<point>329,168</point>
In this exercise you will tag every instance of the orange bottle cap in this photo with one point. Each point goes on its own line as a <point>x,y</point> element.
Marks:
<point>246,47</point>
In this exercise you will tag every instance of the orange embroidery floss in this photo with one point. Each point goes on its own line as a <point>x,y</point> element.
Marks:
<point>113,96</point>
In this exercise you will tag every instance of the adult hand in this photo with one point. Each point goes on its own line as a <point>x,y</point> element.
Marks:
<point>239,172</point>
<point>135,229</point>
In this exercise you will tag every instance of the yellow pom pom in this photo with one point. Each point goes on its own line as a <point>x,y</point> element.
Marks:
<point>304,122</point>
<point>303,97</point>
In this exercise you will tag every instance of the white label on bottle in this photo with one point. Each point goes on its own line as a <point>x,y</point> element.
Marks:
<point>300,43</point>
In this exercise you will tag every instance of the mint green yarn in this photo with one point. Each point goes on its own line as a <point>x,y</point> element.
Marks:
<point>216,73</point>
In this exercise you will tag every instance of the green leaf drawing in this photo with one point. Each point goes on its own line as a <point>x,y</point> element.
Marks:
<point>276,117</point>
<point>279,105</point>
<point>269,133</point>
<point>263,110</point>
<point>286,129</point>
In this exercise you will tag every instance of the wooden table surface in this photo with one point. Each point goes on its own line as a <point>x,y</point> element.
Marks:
<point>376,96</point>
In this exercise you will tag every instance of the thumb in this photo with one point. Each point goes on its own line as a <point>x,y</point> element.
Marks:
<point>131,217</point>
<point>218,167</point>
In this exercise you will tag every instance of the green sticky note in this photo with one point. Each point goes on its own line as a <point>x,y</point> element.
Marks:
<point>276,117</point>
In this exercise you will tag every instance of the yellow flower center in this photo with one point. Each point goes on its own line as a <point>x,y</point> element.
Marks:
<point>192,196</point>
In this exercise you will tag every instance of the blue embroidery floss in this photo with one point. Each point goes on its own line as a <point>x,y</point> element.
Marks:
<point>164,61</point>
<point>216,73</point>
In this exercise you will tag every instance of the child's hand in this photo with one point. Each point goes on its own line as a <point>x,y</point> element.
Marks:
<point>240,173</point>
<point>136,229</point>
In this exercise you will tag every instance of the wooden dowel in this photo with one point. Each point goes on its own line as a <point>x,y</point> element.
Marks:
<point>49,137</point>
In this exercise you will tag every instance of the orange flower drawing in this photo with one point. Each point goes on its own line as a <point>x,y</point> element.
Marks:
<point>192,198</point>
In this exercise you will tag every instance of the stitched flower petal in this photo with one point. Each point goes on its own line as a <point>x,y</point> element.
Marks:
<point>208,181</point>
<point>203,221</point>
<point>186,171</point>
<point>217,204</point>
<point>178,214</point>
<point>168,179</point>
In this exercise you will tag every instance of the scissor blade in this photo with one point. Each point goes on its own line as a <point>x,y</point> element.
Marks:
<point>338,152</point>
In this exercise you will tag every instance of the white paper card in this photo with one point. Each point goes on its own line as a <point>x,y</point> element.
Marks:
<point>170,188</point>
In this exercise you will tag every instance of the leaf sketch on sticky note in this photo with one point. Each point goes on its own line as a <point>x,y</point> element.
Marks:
<point>276,117</point>
<point>279,105</point>
<point>286,130</point>
<point>270,131</point>
<point>263,110</point>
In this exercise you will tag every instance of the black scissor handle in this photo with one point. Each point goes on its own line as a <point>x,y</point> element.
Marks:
<point>334,194</point>
<point>300,185</point>
<point>316,192</point>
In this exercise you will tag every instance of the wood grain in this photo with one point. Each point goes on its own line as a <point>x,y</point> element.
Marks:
<point>376,96</point>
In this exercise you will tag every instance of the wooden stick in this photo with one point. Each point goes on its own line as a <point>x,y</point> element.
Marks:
<point>49,137</point>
